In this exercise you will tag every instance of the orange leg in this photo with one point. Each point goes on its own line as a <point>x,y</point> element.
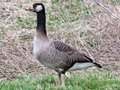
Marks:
<point>63,79</point>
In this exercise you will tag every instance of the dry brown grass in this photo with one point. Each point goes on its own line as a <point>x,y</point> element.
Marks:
<point>100,38</point>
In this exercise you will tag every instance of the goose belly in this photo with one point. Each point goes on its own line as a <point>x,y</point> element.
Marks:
<point>46,59</point>
<point>46,56</point>
<point>78,66</point>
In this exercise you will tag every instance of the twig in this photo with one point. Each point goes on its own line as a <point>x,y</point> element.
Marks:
<point>115,2</point>
<point>16,66</point>
<point>117,27</point>
<point>84,46</point>
<point>5,75</point>
<point>106,9</point>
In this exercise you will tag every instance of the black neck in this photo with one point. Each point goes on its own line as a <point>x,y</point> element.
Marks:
<point>41,22</point>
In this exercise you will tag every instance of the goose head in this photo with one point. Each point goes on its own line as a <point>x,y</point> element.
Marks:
<point>41,18</point>
<point>36,7</point>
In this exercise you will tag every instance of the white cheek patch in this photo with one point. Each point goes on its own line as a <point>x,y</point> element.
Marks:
<point>38,8</point>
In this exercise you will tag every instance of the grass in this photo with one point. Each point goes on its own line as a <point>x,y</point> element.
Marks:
<point>104,81</point>
<point>29,23</point>
<point>80,23</point>
<point>1,34</point>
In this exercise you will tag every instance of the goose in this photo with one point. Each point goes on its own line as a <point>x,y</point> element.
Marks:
<point>54,54</point>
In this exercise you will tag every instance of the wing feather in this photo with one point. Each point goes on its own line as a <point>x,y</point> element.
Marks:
<point>72,52</point>
<point>73,55</point>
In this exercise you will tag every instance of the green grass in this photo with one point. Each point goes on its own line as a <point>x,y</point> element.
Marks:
<point>104,81</point>
<point>25,37</point>
<point>28,23</point>
<point>61,15</point>
<point>1,34</point>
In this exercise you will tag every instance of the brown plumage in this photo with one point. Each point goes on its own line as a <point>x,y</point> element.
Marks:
<point>56,54</point>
